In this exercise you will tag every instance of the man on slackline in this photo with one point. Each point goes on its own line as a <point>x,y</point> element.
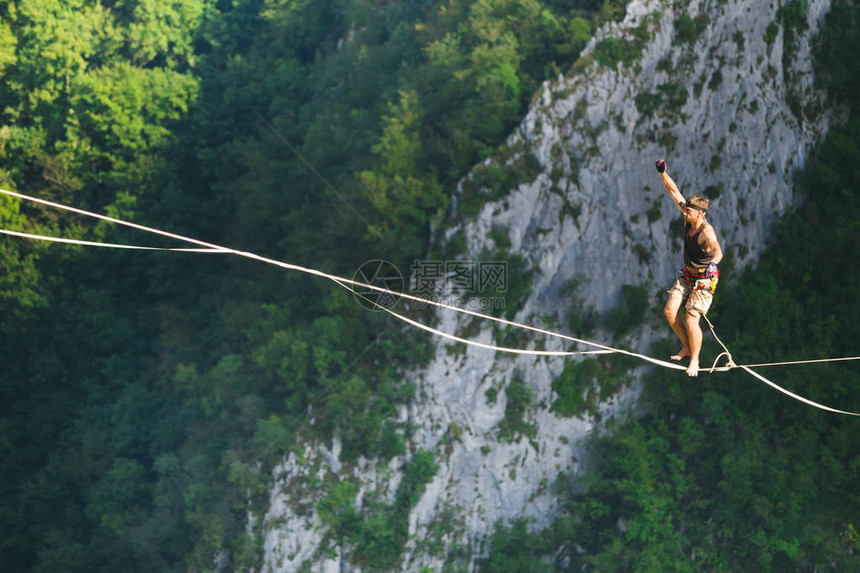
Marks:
<point>697,280</point>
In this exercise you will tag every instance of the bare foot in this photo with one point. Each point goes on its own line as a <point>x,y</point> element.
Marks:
<point>681,355</point>
<point>693,368</point>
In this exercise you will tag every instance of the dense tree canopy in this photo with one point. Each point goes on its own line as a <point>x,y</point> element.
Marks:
<point>144,399</point>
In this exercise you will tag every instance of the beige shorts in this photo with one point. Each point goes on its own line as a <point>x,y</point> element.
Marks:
<point>696,298</point>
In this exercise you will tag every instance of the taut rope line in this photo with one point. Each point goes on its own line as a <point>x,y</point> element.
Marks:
<point>111,245</point>
<point>343,282</point>
<point>338,279</point>
<point>795,396</point>
<point>467,341</point>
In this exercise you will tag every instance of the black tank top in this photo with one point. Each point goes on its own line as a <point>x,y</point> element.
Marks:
<point>694,255</point>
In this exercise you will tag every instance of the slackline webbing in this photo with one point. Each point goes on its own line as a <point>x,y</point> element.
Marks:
<point>795,396</point>
<point>111,245</point>
<point>337,279</point>
<point>343,282</point>
<point>465,340</point>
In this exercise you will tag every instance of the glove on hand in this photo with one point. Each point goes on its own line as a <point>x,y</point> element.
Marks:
<point>661,165</point>
<point>712,270</point>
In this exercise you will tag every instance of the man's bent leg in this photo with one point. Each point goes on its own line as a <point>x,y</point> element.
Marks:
<point>694,337</point>
<point>698,304</point>
<point>673,315</point>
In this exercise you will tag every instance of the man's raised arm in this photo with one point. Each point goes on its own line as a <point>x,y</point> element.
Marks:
<point>669,184</point>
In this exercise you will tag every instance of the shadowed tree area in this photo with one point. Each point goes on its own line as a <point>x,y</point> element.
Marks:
<point>145,398</point>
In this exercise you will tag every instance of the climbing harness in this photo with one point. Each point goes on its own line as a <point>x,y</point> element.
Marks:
<point>695,278</point>
<point>350,284</point>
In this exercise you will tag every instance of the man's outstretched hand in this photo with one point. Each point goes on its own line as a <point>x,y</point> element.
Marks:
<point>660,164</point>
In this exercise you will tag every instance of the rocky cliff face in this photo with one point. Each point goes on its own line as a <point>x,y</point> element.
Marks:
<point>724,91</point>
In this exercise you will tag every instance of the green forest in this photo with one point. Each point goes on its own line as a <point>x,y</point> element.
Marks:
<point>146,397</point>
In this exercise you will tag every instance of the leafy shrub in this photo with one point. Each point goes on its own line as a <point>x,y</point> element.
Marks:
<point>613,51</point>
<point>519,402</point>
<point>631,312</point>
<point>515,550</point>
<point>688,29</point>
